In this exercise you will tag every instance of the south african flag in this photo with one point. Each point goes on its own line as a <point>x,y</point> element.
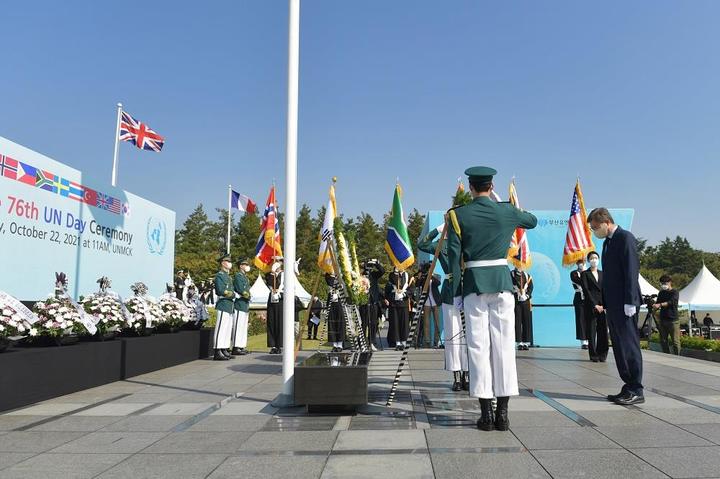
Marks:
<point>397,240</point>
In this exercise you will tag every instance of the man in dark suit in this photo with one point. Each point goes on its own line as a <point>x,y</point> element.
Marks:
<point>621,300</point>
<point>594,315</point>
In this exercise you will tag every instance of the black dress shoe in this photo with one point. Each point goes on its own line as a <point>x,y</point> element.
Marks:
<point>584,346</point>
<point>613,397</point>
<point>236,351</point>
<point>219,356</point>
<point>602,360</point>
<point>594,359</point>
<point>629,399</point>
<point>226,353</point>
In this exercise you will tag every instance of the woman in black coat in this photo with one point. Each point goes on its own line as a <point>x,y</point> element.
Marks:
<point>595,322</point>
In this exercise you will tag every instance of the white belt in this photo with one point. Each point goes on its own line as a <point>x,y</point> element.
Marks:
<point>484,263</point>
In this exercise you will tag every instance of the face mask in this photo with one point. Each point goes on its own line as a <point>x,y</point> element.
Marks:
<point>594,262</point>
<point>246,268</point>
<point>601,232</point>
<point>665,287</point>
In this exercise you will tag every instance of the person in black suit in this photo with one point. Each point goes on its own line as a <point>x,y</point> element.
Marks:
<point>578,305</point>
<point>621,301</point>
<point>522,290</point>
<point>314,319</point>
<point>594,315</point>
<point>397,298</point>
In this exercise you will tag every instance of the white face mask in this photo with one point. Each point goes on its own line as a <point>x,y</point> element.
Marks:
<point>665,287</point>
<point>594,262</point>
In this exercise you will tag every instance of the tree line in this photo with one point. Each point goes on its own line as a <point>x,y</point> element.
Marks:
<point>201,240</point>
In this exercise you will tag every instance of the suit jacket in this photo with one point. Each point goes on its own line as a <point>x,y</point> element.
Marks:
<point>480,231</point>
<point>397,281</point>
<point>621,268</point>
<point>592,289</point>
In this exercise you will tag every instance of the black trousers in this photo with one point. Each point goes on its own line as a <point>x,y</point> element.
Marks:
<point>336,323</point>
<point>398,324</point>
<point>275,325</point>
<point>626,348</point>
<point>523,322</point>
<point>580,331</point>
<point>596,328</point>
<point>312,329</point>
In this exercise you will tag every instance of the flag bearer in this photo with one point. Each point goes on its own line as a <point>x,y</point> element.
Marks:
<point>274,281</point>
<point>478,237</point>
<point>225,308</point>
<point>335,319</point>
<point>522,289</point>
<point>242,309</point>
<point>455,349</point>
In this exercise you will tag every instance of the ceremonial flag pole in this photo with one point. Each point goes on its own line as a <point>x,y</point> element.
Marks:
<point>288,368</point>
<point>117,145</point>
<point>229,217</point>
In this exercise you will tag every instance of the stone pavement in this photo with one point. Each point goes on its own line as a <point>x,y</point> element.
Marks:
<point>214,419</point>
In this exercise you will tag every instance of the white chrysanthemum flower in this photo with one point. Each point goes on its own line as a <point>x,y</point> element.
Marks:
<point>33,332</point>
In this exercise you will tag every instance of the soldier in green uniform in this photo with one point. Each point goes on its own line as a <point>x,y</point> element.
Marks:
<point>455,351</point>
<point>224,308</point>
<point>242,309</point>
<point>478,238</point>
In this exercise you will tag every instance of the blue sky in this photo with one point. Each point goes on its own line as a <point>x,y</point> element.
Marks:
<point>625,94</point>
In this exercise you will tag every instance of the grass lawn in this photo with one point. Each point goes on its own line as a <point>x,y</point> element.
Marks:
<point>259,343</point>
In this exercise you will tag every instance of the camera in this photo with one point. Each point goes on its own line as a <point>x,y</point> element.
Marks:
<point>649,299</point>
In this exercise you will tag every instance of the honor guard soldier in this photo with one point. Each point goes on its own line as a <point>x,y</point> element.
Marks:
<point>456,359</point>
<point>396,298</point>
<point>478,237</point>
<point>274,281</point>
<point>522,289</point>
<point>224,308</point>
<point>335,319</point>
<point>373,270</point>
<point>242,309</point>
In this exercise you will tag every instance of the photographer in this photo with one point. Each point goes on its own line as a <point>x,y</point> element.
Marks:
<point>669,324</point>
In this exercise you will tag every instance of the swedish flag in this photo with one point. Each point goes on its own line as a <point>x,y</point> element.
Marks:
<point>397,240</point>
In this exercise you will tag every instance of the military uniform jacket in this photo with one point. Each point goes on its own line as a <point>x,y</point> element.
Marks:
<point>427,245</point>
<point>396,282</point>
<point>242,287</point>
<point>481,231</point>
<point>522,282</point>
<point>225,292</point>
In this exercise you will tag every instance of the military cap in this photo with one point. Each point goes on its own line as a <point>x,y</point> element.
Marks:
<point>224,257</point>
<point>481,174</point>
<point>245,261</point>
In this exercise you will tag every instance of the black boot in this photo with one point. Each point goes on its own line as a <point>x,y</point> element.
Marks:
<point>465,380</point>
<point>457,382</point>
<point>219,356</point>
<point>236,351</point>
<point>486,421</point>
<point>502,422</point>
<point>227,353</point>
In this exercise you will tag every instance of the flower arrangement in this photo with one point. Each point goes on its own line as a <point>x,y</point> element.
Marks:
<point>175,313</point>
<point>107,309</point>
<point>144,314</point>
<point>56,317</point>
<point>11,323</point>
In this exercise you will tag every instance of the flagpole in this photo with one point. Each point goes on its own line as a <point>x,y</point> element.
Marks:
<point>288,368</point>
<point>116,153</point>
<point>229,217</point>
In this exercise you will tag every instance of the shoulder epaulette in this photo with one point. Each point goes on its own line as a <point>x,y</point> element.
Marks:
<point>454,222</point>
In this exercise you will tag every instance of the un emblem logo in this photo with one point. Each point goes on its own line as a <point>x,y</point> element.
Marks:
<point>156,236</point>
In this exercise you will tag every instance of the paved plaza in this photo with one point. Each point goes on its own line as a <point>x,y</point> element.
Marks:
<point>215,419</point>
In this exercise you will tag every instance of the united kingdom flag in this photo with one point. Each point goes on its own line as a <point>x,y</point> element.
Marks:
<point>139,134</point>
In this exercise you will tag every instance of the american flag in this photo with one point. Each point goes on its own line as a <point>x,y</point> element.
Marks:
<point>519,251</point>
<point>107,202</point>
<point>578,241</point>
<point>139,134</point>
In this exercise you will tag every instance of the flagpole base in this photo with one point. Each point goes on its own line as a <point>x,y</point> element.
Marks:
<point>283,400</point>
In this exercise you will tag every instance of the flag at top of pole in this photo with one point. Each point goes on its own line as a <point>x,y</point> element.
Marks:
<point>397,240</point>
<point>326,232</point>
<point>242,203</point>
<point>578,240</point>
<point>138,133</point>
<point>519,251</point>
<point>269,245</point>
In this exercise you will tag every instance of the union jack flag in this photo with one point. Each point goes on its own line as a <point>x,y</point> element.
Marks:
<point>578,241</point>
<point>139,134</point>
<point>107,202</point>
<point>519,251</point>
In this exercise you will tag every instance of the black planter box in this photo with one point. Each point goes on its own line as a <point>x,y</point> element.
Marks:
<point>332,380</point>
<point>29,375</point>
<point>32,374</point>
<point>144,355</point>
<point>690,353</point>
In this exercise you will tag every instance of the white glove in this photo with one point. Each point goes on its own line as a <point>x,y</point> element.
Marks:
<point>458,303</point>
<point>440,228</point>
<point>630,310</point>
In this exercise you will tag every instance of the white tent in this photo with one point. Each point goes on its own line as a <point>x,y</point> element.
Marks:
<point>259,293</point>
<point>646,289</point>
<point>703,292</point>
